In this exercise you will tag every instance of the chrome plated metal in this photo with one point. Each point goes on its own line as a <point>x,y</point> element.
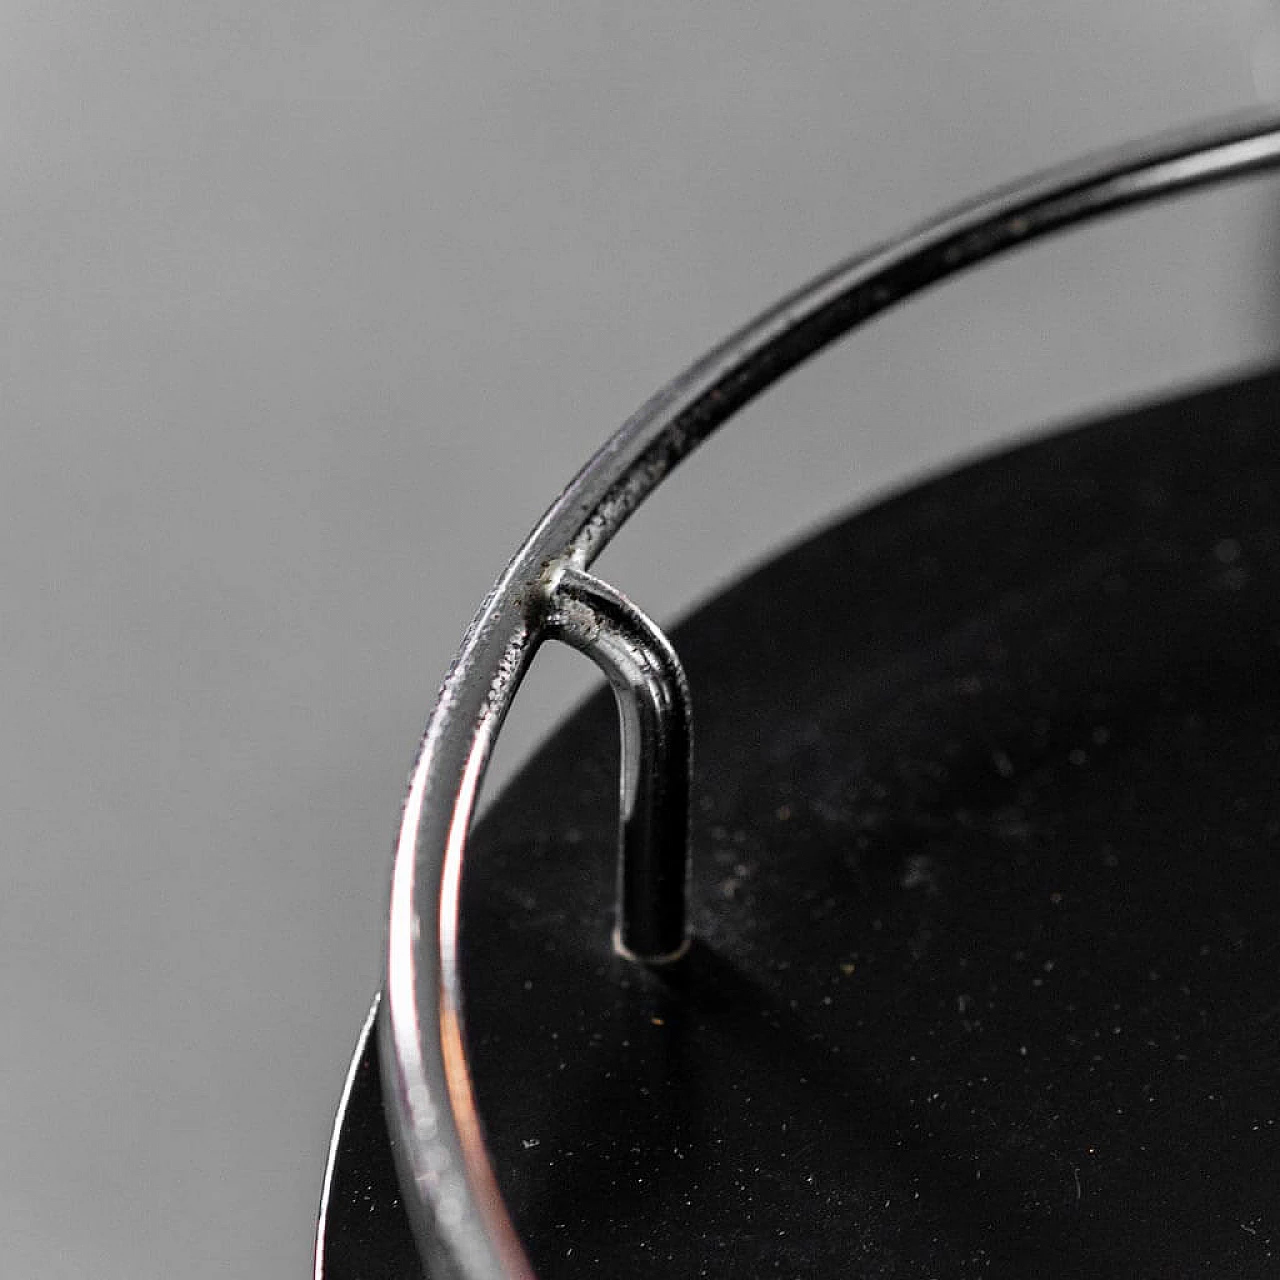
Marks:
<point>457,1212</point>
<point>656,722</point>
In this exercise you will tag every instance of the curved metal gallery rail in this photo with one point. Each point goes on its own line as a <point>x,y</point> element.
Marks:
<point>461,1224</point>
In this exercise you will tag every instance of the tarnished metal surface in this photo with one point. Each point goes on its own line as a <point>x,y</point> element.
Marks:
<point>453,1202</point>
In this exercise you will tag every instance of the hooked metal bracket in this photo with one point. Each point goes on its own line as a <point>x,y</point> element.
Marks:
<point>656,721</point>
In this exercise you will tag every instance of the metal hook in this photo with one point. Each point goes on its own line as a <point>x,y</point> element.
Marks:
<point>448,1183</point>
<point>655,717</point>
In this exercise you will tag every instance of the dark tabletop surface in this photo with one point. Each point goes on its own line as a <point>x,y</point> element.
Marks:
<point>987,901</point>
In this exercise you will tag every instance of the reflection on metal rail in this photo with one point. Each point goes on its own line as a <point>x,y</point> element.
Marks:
<point>458,1216</point>
<point>653,711</point>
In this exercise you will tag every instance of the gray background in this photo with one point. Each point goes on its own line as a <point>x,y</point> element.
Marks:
<point>309,309</point>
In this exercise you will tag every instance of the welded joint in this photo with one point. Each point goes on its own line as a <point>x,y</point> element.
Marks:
<point>656,722</point>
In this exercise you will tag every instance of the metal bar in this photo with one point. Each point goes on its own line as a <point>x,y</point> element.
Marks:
<point>656,722</point>
<point>450,1191</point>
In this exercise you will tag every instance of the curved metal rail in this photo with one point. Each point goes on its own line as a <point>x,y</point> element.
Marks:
<point>462,1226</point>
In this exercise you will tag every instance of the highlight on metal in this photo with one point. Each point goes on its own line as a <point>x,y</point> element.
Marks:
<point>460,1222</point>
